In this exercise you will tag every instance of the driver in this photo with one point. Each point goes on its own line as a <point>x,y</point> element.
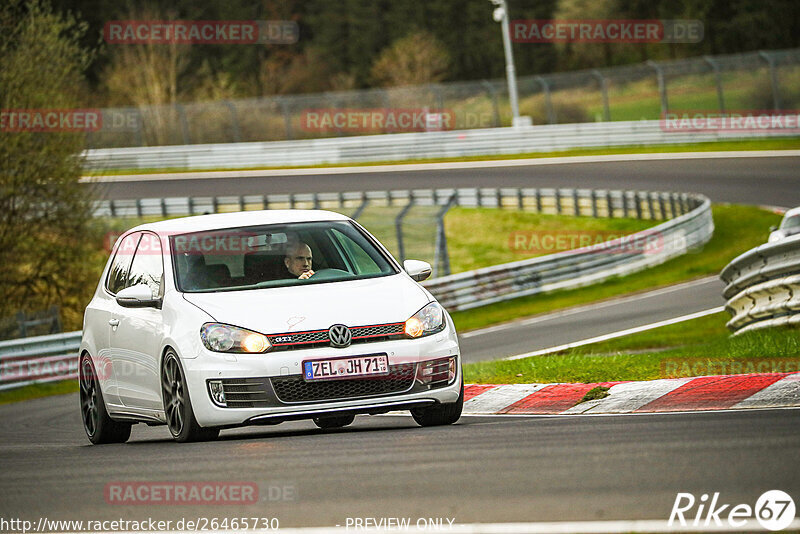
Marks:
<point>298,260</point>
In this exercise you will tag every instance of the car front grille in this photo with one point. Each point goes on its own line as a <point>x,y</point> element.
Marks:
<point>295,389</point>
<point>319,338</point>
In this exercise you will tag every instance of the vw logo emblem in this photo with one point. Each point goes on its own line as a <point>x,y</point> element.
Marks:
<point>340,336</point>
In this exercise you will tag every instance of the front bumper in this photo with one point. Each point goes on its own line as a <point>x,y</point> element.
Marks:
<point>261,368</point>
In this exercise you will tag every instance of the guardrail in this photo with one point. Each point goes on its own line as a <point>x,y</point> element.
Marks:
<point>763,286</point>
<point>39,359</point>
<point>688,223</point>
<point>578,267</point>
<point>405,146</point>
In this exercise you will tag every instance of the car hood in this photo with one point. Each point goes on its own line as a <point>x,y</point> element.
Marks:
<point>388,299</point>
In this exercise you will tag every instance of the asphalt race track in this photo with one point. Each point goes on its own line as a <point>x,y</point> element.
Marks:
<point>752,180</point>
<point>483,469</point>
<point>584,322</point>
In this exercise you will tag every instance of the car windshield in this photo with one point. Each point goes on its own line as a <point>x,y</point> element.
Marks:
<point>274,256</point>
<point>791,223</point>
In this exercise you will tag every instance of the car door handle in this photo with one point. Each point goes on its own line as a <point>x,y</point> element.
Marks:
<point>113,322</point>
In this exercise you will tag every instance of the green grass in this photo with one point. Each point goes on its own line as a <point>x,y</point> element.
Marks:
<point>34,391</point>
<point>738,229</point>
<point>749,144</point>
<point>692,348</point>
<point>481,237</point>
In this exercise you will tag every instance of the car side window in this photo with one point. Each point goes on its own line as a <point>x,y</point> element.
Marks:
<point>118,273</point>
<point>147,267</point>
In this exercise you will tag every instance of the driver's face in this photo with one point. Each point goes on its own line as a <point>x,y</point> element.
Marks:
<point>298,260</point>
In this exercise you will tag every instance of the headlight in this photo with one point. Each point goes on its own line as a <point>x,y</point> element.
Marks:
<point>225,338</point>
<point>428,320</point>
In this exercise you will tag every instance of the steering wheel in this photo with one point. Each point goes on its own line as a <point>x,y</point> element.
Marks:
<point>327,274</point>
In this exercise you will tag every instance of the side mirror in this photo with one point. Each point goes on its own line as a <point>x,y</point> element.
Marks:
<point>418,270</point>
<point>138,296</point>
<point>773,228</point>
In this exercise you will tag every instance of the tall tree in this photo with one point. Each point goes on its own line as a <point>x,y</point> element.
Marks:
<point>44,210</point>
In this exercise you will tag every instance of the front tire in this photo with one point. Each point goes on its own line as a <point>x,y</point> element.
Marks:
<point>440,414</point>
<point>337,421</point>
<point>99,426</point>
<point>178,406</point>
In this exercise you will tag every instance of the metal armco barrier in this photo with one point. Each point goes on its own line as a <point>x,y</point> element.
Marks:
<point>39,359</point>
<point>763,286</point>
<point>406,146</point>
<point>688,223</point>
<point>579,267</point>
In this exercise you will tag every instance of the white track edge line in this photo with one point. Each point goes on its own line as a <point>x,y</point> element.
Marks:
<point>617,334</point>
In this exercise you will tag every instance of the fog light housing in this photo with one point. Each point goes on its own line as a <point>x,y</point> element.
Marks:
<point>437,373</point>
<point>217,392</point>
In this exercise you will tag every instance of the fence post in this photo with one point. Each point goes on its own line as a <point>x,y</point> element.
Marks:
<point>718,80</point>
<point>638,203</point>
<point>538,200</point>
<point>594,203</point>
<point>287,119</point>
<point>22,322</point>
<point>237,137</point>
<point>551,114</point>
<point>495,105</point>
<point>662,85</point>
<point>604,90</point>
<point>187,140</point>
<point>398,226</point>
<point>776,98</point>
<point>440,254</point>
<point>360,209</point>
<point>558,201</point>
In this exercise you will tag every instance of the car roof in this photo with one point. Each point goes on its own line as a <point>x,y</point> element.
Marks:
<point>200,223</point>
<point>792,212</point>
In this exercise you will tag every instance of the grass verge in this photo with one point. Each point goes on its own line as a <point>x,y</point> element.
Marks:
<point>693,348</point>
<point>737,229</point>
<point>34,391</point>
<point>749,144</point>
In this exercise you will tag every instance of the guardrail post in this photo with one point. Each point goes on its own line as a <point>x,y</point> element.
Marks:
<point>241,203</point>
<point>604,90</point>
<point>538,200</point>
<point>625,204</point>
<point>638,204</point>
<point>576,207</point>
<point>558,201</point>
<point>662,207</point>
<point>398,225</point>
<point>672,207</point>
<point>190,205</point>
<point>214,205</point>
<point>610,204</point>
<point>718,81</point>
<point>650,209</point>
<point>776,98</point>
<point>163,205</point>
<point>594,203</point>
<point>520,199</point>
<point>237,136</point>
<point>291,201</point>
<point>139,207</point>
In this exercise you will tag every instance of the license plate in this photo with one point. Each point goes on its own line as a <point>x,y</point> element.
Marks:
<point>350,367</point>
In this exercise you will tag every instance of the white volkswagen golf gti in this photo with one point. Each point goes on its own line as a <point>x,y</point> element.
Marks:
<point>246,318</point>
